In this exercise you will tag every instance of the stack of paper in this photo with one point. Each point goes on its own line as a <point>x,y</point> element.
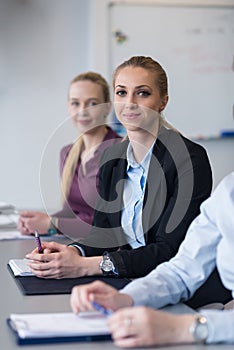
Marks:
<point>8,216</point>
<point>8,221</point>
<point>6,207</point>
<point>9,234</point>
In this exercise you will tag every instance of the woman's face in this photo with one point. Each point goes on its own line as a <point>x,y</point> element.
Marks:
<point>86,104</point>
<point>137,99</point>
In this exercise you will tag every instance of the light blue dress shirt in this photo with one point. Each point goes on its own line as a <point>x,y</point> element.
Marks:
<point>209,242</point>
<point>133,197</point>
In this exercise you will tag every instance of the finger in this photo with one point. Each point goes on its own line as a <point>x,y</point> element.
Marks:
<point>35,251</point>
<point>107,301</point>
<point>37,259</point>
<point>125,331</point>
<point>83,295</point>
<point>25,225</point>
<point>31,224</point>
<point>129,342</point>
<point>75,300</point>
<point>21,227</point>
<point>47,251</point>
<point>54,246</point>
<point>35,256</point>
<point>20,222</point>
<point>23,230</point>
<point>124,328</point>
<point>32,254</point>
<point>122,318</point>
<point>45,273</point>
<point>86,296</point>
<point>26,213</point>
<point>43,269</point>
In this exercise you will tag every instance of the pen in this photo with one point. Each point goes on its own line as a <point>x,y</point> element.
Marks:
<point>38,241</point>
<point>101,309</point>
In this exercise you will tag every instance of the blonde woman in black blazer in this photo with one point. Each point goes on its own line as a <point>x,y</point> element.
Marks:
<point>177,179</point>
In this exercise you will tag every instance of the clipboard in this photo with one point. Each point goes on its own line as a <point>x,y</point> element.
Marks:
<point>42,338</point>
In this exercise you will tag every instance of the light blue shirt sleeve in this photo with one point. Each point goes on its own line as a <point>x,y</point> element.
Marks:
<point>209,242</point>
<point>220,325</point>
<point>179,278</point>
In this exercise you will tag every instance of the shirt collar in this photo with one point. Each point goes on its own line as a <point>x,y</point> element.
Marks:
<point>144,164</point>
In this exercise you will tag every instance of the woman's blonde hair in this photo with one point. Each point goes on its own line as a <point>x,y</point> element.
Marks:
<point>75,151</point>
<point>160,78</point>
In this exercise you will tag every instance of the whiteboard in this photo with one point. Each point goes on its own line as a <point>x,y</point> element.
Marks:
<point>195,46</point>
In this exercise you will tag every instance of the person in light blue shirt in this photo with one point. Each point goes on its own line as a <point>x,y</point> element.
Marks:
<point>209,242</point>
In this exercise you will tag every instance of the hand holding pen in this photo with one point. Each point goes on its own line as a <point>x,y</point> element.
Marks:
<point>101,309</point>
<point>38,241</point>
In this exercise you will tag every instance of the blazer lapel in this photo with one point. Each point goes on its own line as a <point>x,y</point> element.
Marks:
<point>156,189</point>
<point>116,188</point>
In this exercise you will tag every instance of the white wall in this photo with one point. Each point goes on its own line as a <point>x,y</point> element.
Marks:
<point>43,45</point>
<point>220,153</point>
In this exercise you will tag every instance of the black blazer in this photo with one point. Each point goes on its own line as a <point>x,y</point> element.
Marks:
<point>179,180</point>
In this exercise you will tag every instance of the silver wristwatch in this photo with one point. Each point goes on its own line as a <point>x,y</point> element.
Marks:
<point>199,329</point>
<point>107,266</point>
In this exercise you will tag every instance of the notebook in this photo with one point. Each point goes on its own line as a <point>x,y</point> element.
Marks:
<point>58,327</point>
<point>29,284</point>
<point>20,267</point>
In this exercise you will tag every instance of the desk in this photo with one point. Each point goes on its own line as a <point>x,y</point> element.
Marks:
<point>13,301</point>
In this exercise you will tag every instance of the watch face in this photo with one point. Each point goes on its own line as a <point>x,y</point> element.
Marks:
<point>201,331</point>
<point>107,265</point>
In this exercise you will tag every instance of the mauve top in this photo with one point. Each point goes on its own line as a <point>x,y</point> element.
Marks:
<point>76,216</point>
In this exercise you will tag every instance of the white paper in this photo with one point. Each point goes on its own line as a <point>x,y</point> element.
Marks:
<point>13,234</point>
<point>7,234</point>
<point>8,221</point>
<point>4,205</point>
<point>44,325</point>
<point>20,267</point>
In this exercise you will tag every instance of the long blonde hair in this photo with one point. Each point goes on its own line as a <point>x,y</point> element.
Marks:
<point>75,151</point>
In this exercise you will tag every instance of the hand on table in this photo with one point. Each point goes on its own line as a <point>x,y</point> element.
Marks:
<point>57,261</point>
<point>143,326</point>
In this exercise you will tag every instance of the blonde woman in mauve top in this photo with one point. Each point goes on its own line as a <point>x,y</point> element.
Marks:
<point>88,104</point>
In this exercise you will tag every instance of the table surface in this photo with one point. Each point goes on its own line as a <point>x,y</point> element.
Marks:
<point>13,301</point>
